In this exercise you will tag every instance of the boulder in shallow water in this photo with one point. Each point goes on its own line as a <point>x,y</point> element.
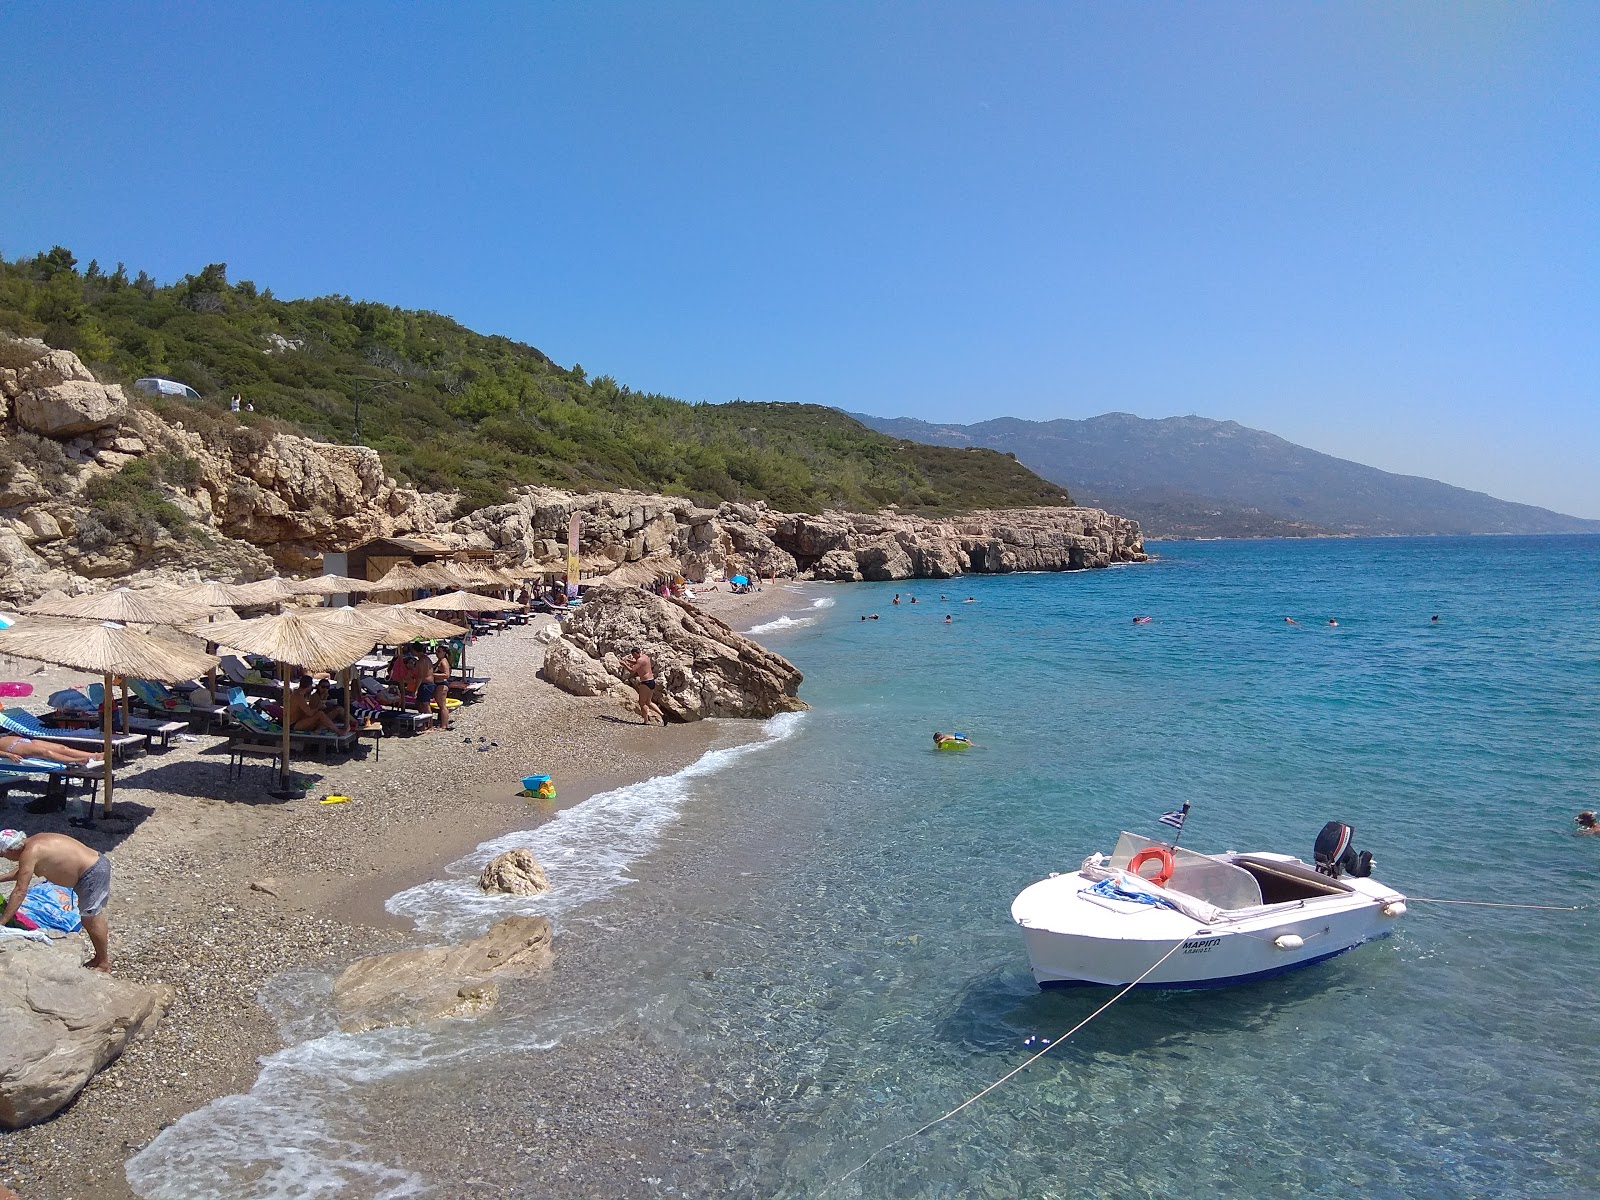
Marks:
<point>441,981</point>
<point>516,872</point>
<point>60,1023</point>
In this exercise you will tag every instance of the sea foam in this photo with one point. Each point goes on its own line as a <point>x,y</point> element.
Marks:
<point>280,1139</point>
<point>781,623</point>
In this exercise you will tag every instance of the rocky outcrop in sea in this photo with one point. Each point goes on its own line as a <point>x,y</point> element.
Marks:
<point>95,487</point>
<point>702,667</point>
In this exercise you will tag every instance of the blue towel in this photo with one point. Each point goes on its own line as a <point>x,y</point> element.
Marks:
<point>1109,889</point>
<point>23,723</point>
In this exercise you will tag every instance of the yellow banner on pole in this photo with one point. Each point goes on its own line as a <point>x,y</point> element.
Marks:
<point>573,528</point>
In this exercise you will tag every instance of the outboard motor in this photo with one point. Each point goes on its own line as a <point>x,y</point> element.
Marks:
<point>1336,854</point>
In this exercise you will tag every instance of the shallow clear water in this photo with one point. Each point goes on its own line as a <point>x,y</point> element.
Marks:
<point>821,925</point>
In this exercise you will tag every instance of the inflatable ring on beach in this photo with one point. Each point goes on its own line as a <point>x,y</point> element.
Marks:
<point>1159,854</point>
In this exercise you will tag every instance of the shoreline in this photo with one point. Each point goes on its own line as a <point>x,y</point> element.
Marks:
<point>218,887</point>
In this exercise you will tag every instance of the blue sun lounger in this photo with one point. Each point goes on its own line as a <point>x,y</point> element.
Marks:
<point>24,724</point>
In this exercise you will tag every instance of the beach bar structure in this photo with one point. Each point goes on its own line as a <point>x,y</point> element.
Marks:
<point>374,559</point>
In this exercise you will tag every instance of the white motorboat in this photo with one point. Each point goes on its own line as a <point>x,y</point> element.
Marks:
<point>1227,918</point>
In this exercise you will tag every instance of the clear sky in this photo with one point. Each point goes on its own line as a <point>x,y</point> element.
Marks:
<point>1370,228</point>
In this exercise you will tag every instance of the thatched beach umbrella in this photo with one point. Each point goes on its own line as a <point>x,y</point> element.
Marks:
<point>408,577</point>
<point>272,590</point>
<point>332,585</point>
<point>122,604</point>
<point>127,606</point>
<point>105,649</point>
<point>462,602</point>
<point>403,624</point>
<point>295,639</point>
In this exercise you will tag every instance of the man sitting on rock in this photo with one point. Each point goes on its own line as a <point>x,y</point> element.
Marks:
<point>67,862</point>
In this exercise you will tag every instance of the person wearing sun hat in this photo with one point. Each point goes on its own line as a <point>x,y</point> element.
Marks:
<point>69,863</point>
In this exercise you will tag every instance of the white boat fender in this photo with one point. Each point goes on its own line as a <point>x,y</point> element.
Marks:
<point>1395,908</point>
<point>1288,941</point>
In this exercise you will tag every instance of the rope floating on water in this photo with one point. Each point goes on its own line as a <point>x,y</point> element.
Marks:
<point>1022,1066</point>
<point>1493,904</point>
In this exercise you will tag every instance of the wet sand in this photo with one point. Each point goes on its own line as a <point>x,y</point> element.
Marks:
<point>218,886</point>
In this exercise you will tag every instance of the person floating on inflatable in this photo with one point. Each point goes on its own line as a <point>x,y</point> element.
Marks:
<point>950,741</point>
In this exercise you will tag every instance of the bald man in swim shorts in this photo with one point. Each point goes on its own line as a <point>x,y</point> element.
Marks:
<point>67,862</point>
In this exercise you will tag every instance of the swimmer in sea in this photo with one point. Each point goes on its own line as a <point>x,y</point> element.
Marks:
<point>947,618</point>
<point>1435,619</point>
<point>1143,620</point>
<point>1290,621</point>
<point>1587,823</point>
<point>1331,621</point>
<point>970,600</point>
<point>954,739</point>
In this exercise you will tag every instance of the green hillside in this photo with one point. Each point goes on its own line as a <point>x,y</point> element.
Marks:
<point>450,408</point>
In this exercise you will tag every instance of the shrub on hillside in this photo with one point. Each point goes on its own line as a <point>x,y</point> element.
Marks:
<point>42,457</point>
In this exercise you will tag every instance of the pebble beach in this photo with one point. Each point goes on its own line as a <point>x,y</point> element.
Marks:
<point>218,887</point>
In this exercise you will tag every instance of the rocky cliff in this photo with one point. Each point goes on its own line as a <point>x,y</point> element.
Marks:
<point>93,487</point>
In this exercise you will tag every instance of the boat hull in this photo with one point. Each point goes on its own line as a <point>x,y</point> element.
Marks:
<point>1073,941</point>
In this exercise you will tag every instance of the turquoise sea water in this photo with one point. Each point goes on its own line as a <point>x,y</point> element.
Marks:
<point>819,926</point>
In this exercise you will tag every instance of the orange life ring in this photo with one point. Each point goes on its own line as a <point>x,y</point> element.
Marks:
<point>1160,854</point>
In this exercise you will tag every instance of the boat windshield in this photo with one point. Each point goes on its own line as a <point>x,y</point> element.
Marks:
<point>1217,883</point>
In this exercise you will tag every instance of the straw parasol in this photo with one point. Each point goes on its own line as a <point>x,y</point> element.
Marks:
<point>631,575</point>
<point>401,624</point>
<point>295,639</point>
<point>463,602</point>
<point>332,585</point>
<point>122,604</point>
<point>107,649</point>
<point>125,606</point>
<point>408,577</point>
<point>211,594</point>
<point>262,592</point>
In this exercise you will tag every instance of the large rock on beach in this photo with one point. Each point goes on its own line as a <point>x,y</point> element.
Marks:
<point>59,1024</point>
<point>411,986</point>
<point>516,872</point>
<point>703,668</point>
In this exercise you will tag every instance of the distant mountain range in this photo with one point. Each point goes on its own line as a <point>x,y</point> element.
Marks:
<point>1191,477</point>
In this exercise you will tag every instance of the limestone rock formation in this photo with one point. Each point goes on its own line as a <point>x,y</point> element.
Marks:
<point>703,668</point>
<point>54,394</point>
<point>62,1023</point>
<point>410,986</point>
<point>572,670</point>
<point>256,501</point>
<point>516,872</point>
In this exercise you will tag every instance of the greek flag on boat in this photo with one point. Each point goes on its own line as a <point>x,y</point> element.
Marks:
<point>1174,818</point>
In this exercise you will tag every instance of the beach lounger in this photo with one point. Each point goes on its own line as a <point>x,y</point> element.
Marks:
<point>23,723</point>
<point>256,725</point>
<point>57,778</point>
<point>196,714</point>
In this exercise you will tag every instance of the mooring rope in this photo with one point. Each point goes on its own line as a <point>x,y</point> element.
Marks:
<point>1494,904</point>
<point>1176,946</point>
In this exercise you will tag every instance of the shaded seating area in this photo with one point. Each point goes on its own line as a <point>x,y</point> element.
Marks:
<point>75,710</point>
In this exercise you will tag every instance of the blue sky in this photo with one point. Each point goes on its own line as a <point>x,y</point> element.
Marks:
<point>1370,228</point>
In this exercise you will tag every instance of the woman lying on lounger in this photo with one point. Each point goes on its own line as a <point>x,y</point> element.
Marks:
<point>15,748</point>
